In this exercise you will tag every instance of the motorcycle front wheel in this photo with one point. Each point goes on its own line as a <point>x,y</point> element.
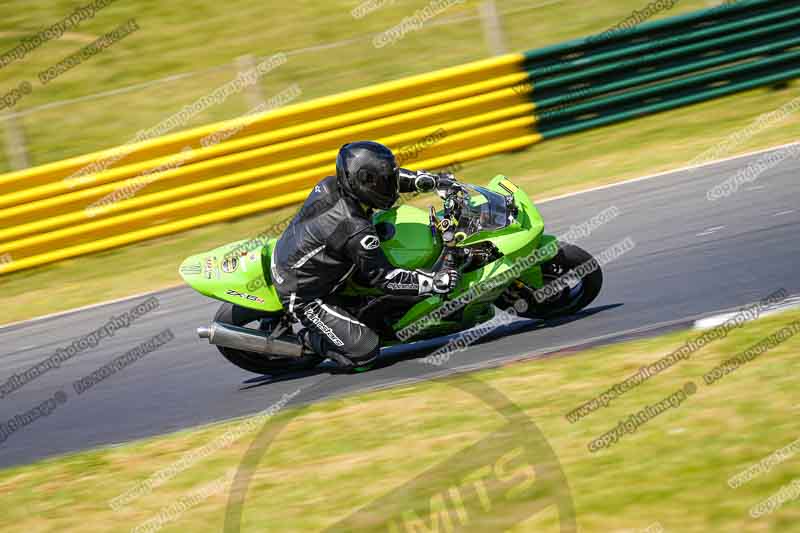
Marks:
<point>561,300</point>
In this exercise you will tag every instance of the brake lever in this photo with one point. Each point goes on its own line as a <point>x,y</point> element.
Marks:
<point>434,221</point>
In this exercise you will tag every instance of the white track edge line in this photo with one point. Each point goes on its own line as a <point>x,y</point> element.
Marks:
<point>716,320</point>
<point>86,307</point>
<point>668,172</point>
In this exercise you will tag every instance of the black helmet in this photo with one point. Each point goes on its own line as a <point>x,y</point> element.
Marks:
<point>368,172</point>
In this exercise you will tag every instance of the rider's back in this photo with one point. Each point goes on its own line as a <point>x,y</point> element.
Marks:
<point>309,258</point>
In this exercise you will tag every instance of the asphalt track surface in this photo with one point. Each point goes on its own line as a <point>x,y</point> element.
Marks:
<point>692,257</point>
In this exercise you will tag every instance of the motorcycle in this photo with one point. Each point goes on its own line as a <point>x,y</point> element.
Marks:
<point>493,235</point>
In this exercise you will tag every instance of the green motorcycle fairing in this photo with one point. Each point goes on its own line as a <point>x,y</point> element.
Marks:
<point>516,241</point>
<point>406,237</point>
<point>240,277</point>
<point>243,278</point>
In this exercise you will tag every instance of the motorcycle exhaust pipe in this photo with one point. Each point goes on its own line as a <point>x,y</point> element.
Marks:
<point>248,340</point>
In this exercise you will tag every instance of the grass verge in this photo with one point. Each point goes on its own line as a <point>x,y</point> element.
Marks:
<point>338,456</point>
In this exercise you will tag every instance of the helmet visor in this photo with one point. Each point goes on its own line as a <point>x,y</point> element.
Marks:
<point>382,188</point>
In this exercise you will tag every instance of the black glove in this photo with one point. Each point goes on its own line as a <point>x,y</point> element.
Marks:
<point>445,181</point>
<point>425,181</point>
<point>445,280</point>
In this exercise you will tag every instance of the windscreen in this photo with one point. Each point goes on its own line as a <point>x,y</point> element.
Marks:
<point>483,210</point>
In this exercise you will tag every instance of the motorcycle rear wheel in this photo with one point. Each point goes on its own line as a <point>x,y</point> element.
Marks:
<point>255,362</point>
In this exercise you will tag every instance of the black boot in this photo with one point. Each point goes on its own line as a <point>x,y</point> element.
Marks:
<point>315,344</point>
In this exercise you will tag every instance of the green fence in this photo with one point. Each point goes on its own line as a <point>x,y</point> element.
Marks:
<point>662,65</point>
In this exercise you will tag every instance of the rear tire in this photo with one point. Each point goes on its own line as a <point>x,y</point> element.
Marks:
<point>569,300</point>
<point>255,362</point>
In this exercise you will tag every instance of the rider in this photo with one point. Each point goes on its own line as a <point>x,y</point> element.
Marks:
<point>332,236</point>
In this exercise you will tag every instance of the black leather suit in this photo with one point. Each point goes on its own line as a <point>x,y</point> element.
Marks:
<point>330,238</point>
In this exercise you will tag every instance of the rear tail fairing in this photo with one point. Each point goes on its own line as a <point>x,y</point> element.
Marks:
<point>237,273</point>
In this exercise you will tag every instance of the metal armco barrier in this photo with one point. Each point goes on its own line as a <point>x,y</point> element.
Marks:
<point>51,212</point>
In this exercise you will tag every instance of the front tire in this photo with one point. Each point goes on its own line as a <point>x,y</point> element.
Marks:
<point>568,300</point>
<point>255,362</point>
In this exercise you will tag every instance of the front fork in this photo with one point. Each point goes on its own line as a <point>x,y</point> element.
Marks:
<point>547,251</point>
<point>531,278</point>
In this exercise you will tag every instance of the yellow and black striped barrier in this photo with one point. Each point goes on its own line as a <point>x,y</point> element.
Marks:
<point>180,181</point>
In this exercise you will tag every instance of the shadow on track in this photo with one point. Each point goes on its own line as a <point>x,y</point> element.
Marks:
<point>392,355</point>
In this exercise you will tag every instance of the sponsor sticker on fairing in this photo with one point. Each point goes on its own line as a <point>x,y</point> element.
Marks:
<point>250,297</point>
<point>230,264</point>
